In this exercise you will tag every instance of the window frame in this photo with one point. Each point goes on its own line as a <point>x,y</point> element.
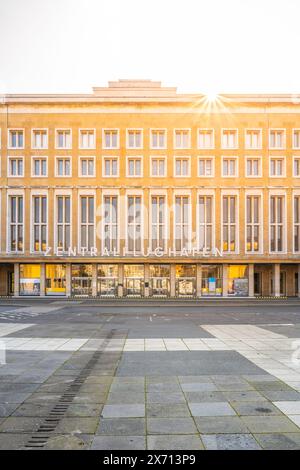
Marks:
<point>206,157</point>
<point>253,157</point>
<point>110,129</point>
<point>159,129</point>
<point>222,138</point>
<point>86,157</point>
<point>277,157</point>
<point>38,157</point>
<point>67,129</point>
<point>281,129</point>
<point>17,129</point>
<point>15,157</point>
<point>63,157</point>
<point>189,133</point>
<point>41,129</point>
<point>213,137</point>
<point>230,157</point>
<point>158,157</point>
<point>82,129</point>
<point>259,147</point>
<point>134,129</point>
<point>134,157</point>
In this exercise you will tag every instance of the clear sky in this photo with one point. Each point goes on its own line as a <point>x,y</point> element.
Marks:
<point>205,46</point>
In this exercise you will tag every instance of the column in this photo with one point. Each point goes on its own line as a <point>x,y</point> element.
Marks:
<point>43,280</point>
<point>251,280</point>
<point>225,280</point>
<point>16,279</point>
<point>276,280</point>
<point>94,280</point>
<point>147,280</point>
<point>199,280</point>
<point>298,280</point>
<point>121,280</point>
<point>68,280</point>
<point>172,280</point>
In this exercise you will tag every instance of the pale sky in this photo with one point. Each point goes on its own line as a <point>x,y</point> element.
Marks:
<point>203,46</point>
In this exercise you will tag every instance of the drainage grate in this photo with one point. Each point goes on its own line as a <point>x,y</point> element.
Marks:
<point>50,423</point>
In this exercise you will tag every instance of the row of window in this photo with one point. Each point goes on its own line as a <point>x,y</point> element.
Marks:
<point>158,222</point>
<point>158,166</point>
<point>158,138</point>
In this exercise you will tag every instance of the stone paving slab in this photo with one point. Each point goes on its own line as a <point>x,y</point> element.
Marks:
<point>230,442</point>
<point>118,443</point>
<point>174,442</point>
<point>220,425</point>
<point>171,426</point>
<point>122,427</point>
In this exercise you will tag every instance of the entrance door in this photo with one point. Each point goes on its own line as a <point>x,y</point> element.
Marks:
<point>11,284</point>
<point>160,286</point>
<point>133,287</point>
<point>186,287</point>
<point>257,284</point>
<point>282,283</point>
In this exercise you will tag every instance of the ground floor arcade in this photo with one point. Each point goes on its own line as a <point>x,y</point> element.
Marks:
<point>113,280</point>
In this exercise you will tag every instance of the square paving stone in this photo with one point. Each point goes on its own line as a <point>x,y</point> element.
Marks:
<point>198,387</point>
<point>211,409</point>
<point>118,443</point>
<point>234,387</point>
<point>171,426</point>
<point>163,387</point>
<point>185,379</point>
<point>220,425</point>
<point>274,395</point>
<point>205,396</point>
<point>20,424</point>
<point>257,408</point>
<point>174,442</point>
<point>244,396</point>
<point>33,410</point>
<point>277,441</point>
<point>13,441</point>
<point>122,426</point>
<point>288,407</point>
<point>81,410</point>
<point>230,442</point>
<point>276,385</point>
<point>164,397</point>
<point>77,425</point>
<point>123,411</point>
<point>167,410</point>
<point>69,442</point>
<point>267,424</point>
<point>125,397</point>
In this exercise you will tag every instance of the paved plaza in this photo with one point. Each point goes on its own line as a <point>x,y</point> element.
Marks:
<point>149,375</point>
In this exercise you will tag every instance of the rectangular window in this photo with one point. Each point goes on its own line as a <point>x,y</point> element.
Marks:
<point>134,139</point>
<point>39,223</point>
<point>110,166</point>
<point>39,139</point>
<point>182,138</point>
<point>110,139</point>
<point>87,166</point>
<point>111,223</point>
<point>229,138</point>
<point>205,166</point>
<point>87,222</point>
<point>277,220</point>
<point>182,167</point>
<point>206,139</point>
<point>158,166</point>
<point>253,167</point>
<point>158,222</point>
<point>229,167</point>
<point>229,224</point>
<point>134,166</point>
<point>182,222</point>
<point>276,138</point>
<point>296,166</point>
<point>253,221</point>
<point>63,166</point>
<point>134,221</point>
<point>63,138</point>
<point>38,166</point>
<point>15,139</point>
<point>16,223</point>
<point>297,224</point>
<point>253,139</point>
<point>15,166</point>
<point>87,139</point>
<point>205,214</point>
<point>63,222</point>
<point>158,138</point>
<point>277,166</point>
<point>296,138</point>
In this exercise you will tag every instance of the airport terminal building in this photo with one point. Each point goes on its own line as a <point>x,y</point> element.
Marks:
<point>136,190</point>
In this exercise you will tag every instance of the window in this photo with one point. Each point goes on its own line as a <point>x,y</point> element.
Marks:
<point>39,223</point>
<point>253,139</point>
<point>229,138</point>
<point>296,138</point>
<point>63,166</point>
<point>87,166</point>
<point>276,223</point>
<point>158,222</point>
<point>15,166</point>
<point>134,220</point>
<point>87,222</point>
<point>277,138</point>
<point>39,139</point>
<point>277,166</point>
<point>16,138</point>
<point>16,227</point>
<point>229,224</point>
<point>296,166</point>
<point>253,221</point>
<point>158,166</point>
<point>134,166</point>
<point>87,139</point>
<point>253,167</point>
<point>110,139</point>
<point>158,139</point>
<point>205,214</point>
<point>206,139</point>
<point>182,138</point>
<point>182,222</point>
<point>63,139</point>
<point>297,224</point>
<point>134,139</point>
<point>110,166</point>
<point>205,166</point>
<point>63,225</point>
<point>229,166</point>
<point>111,223</point>
<point>38,166</point>
<point>182,166</point>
